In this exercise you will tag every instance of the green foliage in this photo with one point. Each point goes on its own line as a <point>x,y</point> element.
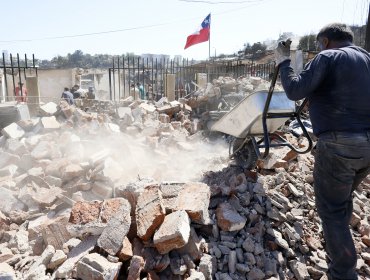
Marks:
<point>79,60</point>
<point>256,50</point>
<point>359,35</point>
<point>307,43</point>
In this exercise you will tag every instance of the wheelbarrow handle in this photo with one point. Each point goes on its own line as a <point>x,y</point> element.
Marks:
<point>296,115</point>
<point>265,110</point>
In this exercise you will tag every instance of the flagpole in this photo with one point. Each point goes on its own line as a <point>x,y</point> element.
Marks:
<point>209,42</point>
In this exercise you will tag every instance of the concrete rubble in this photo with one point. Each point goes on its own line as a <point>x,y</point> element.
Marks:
<point>68,211</point>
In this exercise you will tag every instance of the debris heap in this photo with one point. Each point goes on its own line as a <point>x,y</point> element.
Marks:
<point>68,213</point>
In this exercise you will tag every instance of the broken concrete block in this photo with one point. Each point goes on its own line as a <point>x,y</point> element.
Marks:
<point>82,249</point>
<point>196,275</point>
<point>35,192</point>
<point>136,266</point>
<point>7,272</point>
<point>124,112</point>
<point>5,254</point>
<point>208,266</point>
<point>36,171</point>
<point>8,171</point>
<point>54,232</point>
<point>178,266</point>
<point>4,223</point>
<point>57,259</point>
<point>46,197</point>
<point>164,118</point>
<point>148,107</point>
<point>48,109</point>
<point>116,213</point>
<point>38,268</point>
<point>228,219</point>
<point>15,146</point>
<point>70,244</point>
<point>84,218</point>
<point>8,159</point>
<point>256,274</point>
<point>299,269</point>
<point>30,125</point>
<point>193,247</point>
<point>13,131</point>
<point>42,150</point>
<point>95,266</point>
<point>176,125</point>
<point>195,205</point>
<point>294,190</point>
<point>170,193</point>
<point>50,123</point>
<point>173,233</point>
<point>149,213</point>
<point>20,241</point>
<point>125,252</point>
<point>72,171</point>
<point>53,181</point>
<point>154,260</point>
<point>102,189</point>
<point>94,216</point>
<point>9,202</point>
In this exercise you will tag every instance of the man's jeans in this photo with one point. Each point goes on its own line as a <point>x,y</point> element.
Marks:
<point>342,161</point>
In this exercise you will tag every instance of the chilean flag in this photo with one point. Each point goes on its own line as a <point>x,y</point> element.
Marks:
<point>202,35</point>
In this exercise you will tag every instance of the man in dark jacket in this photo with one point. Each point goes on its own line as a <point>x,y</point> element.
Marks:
<point>68,96</point>
<point>337,84</point>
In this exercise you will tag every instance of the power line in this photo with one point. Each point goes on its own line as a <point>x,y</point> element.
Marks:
<point>251,2</point>
<point>86,34</point>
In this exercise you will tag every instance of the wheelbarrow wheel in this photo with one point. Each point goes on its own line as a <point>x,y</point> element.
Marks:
<point>246,157</point>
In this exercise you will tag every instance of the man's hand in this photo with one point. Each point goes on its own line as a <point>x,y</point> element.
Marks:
<point>282,52</point>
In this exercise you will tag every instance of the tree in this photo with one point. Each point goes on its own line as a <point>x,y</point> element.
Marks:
<point>256,50</point>
<point>307,43</point>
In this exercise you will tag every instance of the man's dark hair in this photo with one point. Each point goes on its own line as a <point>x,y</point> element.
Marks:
<point>66,89</point>
<point>336,32</point>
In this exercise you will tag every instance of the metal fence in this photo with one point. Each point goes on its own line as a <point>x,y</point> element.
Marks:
<point>18,68</point>
<point>127,72</point>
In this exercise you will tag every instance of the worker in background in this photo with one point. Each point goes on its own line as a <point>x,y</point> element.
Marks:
<point>337,84</point>
<point>75,90</point>
<point>20,93</point>
<point>68,96</point>
<point>90,93</point>
<point>141,90</point>
<point>134,91</point>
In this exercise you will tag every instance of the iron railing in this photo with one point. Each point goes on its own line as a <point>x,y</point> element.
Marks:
<point>151,72</point>
<point>17,68</point>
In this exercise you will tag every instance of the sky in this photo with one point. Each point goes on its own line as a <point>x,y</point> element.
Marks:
<point>48,28</point>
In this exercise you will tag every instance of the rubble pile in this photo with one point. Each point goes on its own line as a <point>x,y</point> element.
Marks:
<point>228,91</point>
<point>214,100</point>
<point>72,209</point>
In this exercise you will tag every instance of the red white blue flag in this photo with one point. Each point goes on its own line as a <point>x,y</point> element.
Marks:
<point>201,35</point>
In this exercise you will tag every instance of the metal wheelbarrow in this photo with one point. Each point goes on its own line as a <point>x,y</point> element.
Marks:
<point>253,123</point>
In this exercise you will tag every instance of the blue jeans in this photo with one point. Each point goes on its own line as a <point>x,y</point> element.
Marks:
<point>342,161</point>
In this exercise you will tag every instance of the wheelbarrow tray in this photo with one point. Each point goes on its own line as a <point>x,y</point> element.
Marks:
<point>245,119</point>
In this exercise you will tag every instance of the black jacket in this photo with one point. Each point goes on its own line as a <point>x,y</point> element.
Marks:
<point>337,84</point>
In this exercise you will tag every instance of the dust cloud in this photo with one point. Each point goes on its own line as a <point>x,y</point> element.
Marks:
<point>129,158</point>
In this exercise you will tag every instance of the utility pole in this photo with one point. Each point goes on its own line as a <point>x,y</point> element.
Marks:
<point>367,36</point>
